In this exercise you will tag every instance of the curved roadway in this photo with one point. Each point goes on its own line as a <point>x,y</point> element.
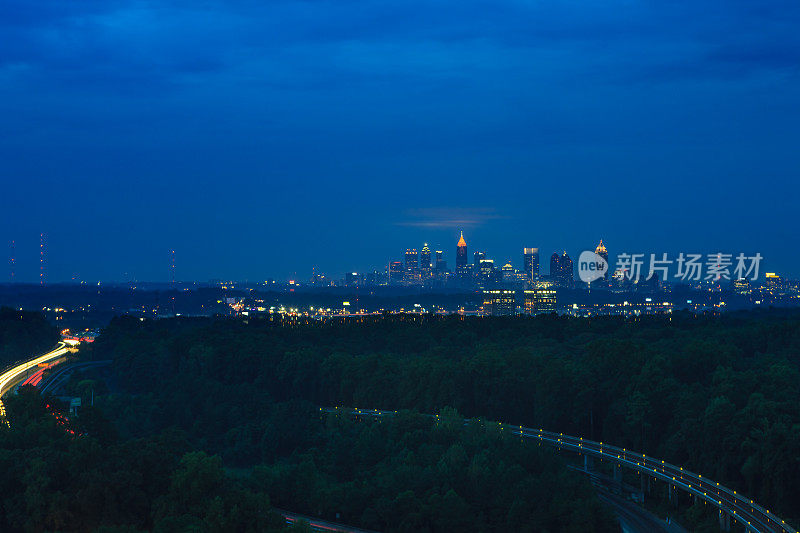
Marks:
<point>752,516</point>
<point>10,377</point>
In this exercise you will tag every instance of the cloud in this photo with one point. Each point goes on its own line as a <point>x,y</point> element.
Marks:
<point>449,217</point>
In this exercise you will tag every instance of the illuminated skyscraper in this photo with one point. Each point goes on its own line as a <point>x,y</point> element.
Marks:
<point>412,261</point>
<point>425,258</point>
<point>530,257</point>
<point>567,271</point>
<point>541,298</point>
<point>774,283</point>
<point>507,272</point>
<point>484,273</point>
<point>461,254</point>
<point>500,302</point>
<point>741,286</point>
<point>555,267</point>
<point>602,252</point>
<point>395,272</point>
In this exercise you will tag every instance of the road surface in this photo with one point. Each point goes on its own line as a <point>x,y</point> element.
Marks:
<point>635,519</point>
<point>10,377</point>
<point>317,524</point>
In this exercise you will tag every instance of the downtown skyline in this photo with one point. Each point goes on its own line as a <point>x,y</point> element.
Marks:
<point>37,266</point>
<point>332,137</point>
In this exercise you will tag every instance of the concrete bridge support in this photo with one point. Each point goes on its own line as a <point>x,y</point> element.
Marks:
<point>724,521</point>
<point>673,494</point>
<point>588,463</point>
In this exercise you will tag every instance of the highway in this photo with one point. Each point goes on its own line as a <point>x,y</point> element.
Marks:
<point>636,519</point>
<point>749,514</point>
<point>16,373</point>
<point>55,380</point>
<point>318,525</point>
<point>10,377</point>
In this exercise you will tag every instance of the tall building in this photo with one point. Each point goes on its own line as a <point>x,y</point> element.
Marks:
<point>555,267</point>
<point>425,258</point>
<point>741,286</point>
<point>461,253</point>
<point>507,272</point>
<point>462,270</point>
<point>774,283</point>
<point>477,258</point>
<point>396,272</point>
<point>412,260</point>
<point>500,302</point>
<point>602,252</point>
<point>439,259</point>
<point>567,271</point>
<point>541,298</point>
<point>530,258</point>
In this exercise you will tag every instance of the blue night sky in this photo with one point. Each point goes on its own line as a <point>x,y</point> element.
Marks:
<point>261,139</point>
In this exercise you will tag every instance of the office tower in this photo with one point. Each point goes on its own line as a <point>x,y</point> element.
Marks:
<point>774,282</point>
<point>396,272</point>
<point>567,270</point>
<point>439,258</point>
<point>412,261</point>
<point>462,271</point>
<point>602,252</point>
<point>541,298</point>
<point>500,302</point>
<point>461,253</point>
<point>477,257</point>
<point>425,258</point>
<point>530,259</point>
<point>486,266</point>
<point>555,267</point>
<point>741,286</point>
<point>507,272</point>
<point>351,279</point>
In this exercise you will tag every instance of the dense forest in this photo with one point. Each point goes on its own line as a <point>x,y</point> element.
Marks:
<point>717,394</point>
<point>134,462</point>
<point>411,474</point>
<point>226,411</point>
<point>58,477</point>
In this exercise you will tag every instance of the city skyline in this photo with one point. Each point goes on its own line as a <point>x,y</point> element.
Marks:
<point>400,266</point>
<point>333,136</point>
<point>449,263</point>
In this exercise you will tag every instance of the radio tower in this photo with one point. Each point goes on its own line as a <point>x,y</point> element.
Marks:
<point>13,260</point>
<point>172,268</point>
<point>41,259</point>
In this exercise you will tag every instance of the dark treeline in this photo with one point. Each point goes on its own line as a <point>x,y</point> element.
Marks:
<point>152,455</point>
<point>717,394</point>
